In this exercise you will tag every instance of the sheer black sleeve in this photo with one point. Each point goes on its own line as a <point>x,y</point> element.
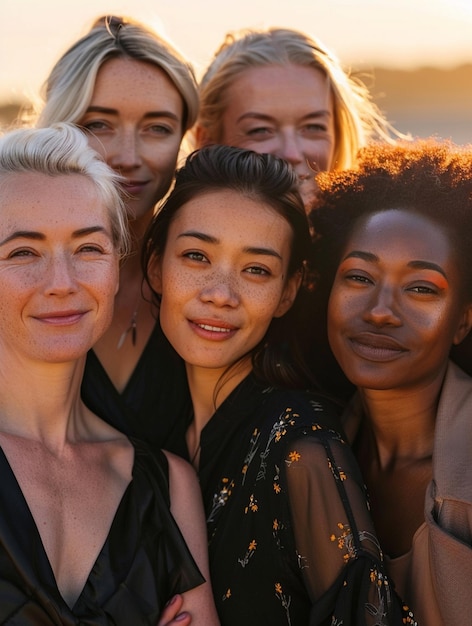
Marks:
<point>341,559</point>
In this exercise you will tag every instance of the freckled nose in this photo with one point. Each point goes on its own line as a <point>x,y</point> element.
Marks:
<point>124,152</point>
<point>60,276</point>
<point>221,291</point>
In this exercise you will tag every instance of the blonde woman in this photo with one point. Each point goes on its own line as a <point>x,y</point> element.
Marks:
<point>136,97</point>
<point>282,92</point>
<point>92,525</point>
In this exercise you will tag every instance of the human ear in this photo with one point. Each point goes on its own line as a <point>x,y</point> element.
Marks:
<point>154,272</point>
<point>289,294</point>
<point>201,136</point>
<point>464,326</point>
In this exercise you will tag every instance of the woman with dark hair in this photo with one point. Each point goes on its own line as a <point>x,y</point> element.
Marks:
<point>290,537</point>
<point>393,244</point>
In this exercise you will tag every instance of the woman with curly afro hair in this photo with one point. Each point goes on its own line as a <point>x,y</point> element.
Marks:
<point>392,240</point>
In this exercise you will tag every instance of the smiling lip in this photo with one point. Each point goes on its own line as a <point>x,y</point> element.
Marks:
<point>134,187</point>
<point>61,318</point>
<point>376,347</point>
<point>214,330</point>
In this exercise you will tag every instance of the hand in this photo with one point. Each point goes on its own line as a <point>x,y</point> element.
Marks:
<point>170,616</point>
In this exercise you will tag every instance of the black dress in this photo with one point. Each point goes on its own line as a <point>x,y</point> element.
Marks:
<point>155,404</point>
<point>290,538</point>
<point>143,562</point>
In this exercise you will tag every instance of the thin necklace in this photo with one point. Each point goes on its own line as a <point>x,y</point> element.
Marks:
<point>132,327</point>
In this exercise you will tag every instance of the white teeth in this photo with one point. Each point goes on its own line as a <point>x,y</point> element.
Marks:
<point>215,329</point>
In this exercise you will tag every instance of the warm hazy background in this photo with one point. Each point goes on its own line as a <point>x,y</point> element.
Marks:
<point>415,55</point>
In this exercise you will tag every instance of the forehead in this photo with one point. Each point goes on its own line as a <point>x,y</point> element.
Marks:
<point>403,232</point>
<point>36,199</point>
<point>123,79</point>
<point>279,84</point>
<point>230,212</point>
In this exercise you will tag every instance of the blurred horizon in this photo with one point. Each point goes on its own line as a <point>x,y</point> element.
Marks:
<point>413,54</point>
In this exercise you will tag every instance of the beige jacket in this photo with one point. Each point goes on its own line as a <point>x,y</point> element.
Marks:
<point>435,577</point>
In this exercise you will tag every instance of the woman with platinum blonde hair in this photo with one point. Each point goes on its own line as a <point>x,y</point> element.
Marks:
<point>282,92</point>
<point>94,528</point>
<point>136,97</point>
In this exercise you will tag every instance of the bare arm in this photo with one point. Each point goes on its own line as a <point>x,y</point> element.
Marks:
<point>187,509</point>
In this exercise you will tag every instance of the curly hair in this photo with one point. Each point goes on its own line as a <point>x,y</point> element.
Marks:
<point>428,177</point>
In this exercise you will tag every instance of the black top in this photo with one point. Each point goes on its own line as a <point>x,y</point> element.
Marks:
<point>290,538</point>
<point>143,562</point>
<point>155,402</point>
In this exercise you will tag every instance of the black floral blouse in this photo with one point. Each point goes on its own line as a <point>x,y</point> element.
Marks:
<point>290,537</point>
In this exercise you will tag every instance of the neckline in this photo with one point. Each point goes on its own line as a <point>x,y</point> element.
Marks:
<point>139,364</point>
<point>33,536</point>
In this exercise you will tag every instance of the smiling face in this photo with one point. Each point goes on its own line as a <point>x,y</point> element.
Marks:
<point>58,267</point>
<point>397,303</point>
<point>135,122</point>
<point>286,110</point>
<point>223,278</point>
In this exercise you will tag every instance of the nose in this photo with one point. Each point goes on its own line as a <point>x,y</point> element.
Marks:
<point>220,290</point>
<point>60,276</point>
<point>124,153</point>
<point>290,148</point>
<point>382,309</point>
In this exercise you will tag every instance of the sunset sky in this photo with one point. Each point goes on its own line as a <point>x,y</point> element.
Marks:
<point>398,33</point>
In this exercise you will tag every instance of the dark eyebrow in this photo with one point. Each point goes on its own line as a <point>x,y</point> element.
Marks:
<point>427,265</point>
<point>37,236</point>
<point>248,249</point>
<point>373,258</point>
<point>267,118</point>
<point>365,256</point>
<point>148,115</point>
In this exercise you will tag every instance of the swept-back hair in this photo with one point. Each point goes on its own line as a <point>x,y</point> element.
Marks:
<point>272,182</point>
<point>63,150</point>
<point>356,118</point>
<point>68,90</point>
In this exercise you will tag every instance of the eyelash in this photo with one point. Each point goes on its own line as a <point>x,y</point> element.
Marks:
<point>23,252</point>
<point>358,278</point>
<point>195,256</point>
<point>254,270</point>
<point>258,271</point>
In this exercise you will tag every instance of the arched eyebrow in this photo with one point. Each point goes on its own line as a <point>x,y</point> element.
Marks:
<point>38,236</point>
<point>147,115</point>
<point>264,117</point>
<point>259,250</point>
<point>427,265</point>
<point>370,257</point>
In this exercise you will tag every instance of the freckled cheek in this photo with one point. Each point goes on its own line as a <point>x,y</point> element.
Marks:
<point>162,160</point>
<point>177,289</point>
<point>103,147</point>
<point>265,301</point>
